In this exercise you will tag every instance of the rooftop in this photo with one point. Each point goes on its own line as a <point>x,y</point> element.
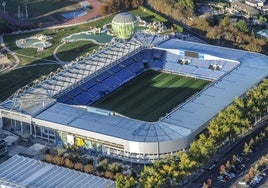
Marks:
<point>124,17</point>
<point>182,121</point>
<point>20,171</point>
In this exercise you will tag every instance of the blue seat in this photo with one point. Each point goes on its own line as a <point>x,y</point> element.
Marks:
<point>115,69</point>
<point>83,98</point>
<point>88,84</point>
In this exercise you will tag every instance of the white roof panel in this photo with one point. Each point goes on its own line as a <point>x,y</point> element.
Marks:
<point>40,174</point>
<point>188,117</point>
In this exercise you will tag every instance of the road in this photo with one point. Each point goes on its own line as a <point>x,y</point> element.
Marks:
<point>227,154</point>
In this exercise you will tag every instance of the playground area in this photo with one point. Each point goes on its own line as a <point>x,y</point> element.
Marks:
<point>38,41</point>
<point>96,35</point>
<point>105,34</point>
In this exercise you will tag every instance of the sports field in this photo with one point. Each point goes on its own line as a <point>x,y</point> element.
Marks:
<point>151,95</point>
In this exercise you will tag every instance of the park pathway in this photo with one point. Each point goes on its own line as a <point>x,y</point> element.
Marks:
<point>56,57</point>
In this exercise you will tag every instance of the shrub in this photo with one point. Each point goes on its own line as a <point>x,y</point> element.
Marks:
<point>68,163</point>
<point>79,166</point>
<point>49,158</point>
<point>89,168</point>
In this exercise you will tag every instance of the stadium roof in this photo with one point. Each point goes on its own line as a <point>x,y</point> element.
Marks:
<point>20,171</point>
<point>185,119</point>
<point>201,108</point>
<point>30,98</point>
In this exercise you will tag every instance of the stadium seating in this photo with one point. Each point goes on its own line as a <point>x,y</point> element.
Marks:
<point>113,77</point>
<point>109,80</point>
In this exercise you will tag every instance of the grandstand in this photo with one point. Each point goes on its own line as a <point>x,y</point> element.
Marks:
<point>59,108</point>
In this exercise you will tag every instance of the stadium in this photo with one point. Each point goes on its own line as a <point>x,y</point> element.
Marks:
<point>136,100</point>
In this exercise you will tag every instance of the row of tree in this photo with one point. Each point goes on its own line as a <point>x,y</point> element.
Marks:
<point>236,33</point>
<point>248,148</point>
<point>235,120</point>
<point>254,170</point>
<point>114,6</point>
<point>177,9</point>
<point>103,168</point>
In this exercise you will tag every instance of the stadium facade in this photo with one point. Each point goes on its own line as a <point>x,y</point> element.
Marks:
<point>58,109</point>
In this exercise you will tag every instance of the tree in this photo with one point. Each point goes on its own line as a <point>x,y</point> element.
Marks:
<point>186,163</point>
<point>242,26</point>
<point>89,168</point>
<point>104,164</point>
<point>256,167</point>
<point>202,148</point>
<point>222,169</point>
<point>115,167</point>
<point>251,143</point>
<point>49,158</point>
<point>108,174</point>
<point>150,178</point>
<point>125,182</point>
<point>68,163</point>
<point>113,6</point>
<point>234,159</point>
<point>80,142</point>
<point>246,178</point>
<point>262,162</point>
<point>58,160</point>
<point>253,46</point>
<point>246,149</point>
<point>225,21</point>
<point>79,166</point>
<point>262,19</point>
<point>228,165</point>
<point>251,173</point>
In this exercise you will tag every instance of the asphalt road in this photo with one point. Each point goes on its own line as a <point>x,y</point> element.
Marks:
<point>226,154</point>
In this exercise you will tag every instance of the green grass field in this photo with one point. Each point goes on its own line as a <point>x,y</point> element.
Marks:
<point>151,95</point>
<point>40,10</point>
<point>71,51</point>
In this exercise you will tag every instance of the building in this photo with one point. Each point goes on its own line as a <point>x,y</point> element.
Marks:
<point>263,33</point>
<point>46,110</point>
<point>258,4</point>
<point>247,10</point>
<point>124,25</point>
<point>22,172</point>
<point>3,147</point>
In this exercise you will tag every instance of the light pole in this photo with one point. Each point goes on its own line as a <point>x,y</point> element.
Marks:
<point>74,18</point>
<point>4,6</point>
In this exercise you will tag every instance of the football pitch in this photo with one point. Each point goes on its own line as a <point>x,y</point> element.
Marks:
<point>151,95</point>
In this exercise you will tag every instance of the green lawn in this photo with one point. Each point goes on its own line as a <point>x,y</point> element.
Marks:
<point>70,51</point>
<point>4,26</point>
<point>151,95</point>
<point>38,10</point>
<point>57,35</point>
<point>150,16</point>
<point>10,82</point>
